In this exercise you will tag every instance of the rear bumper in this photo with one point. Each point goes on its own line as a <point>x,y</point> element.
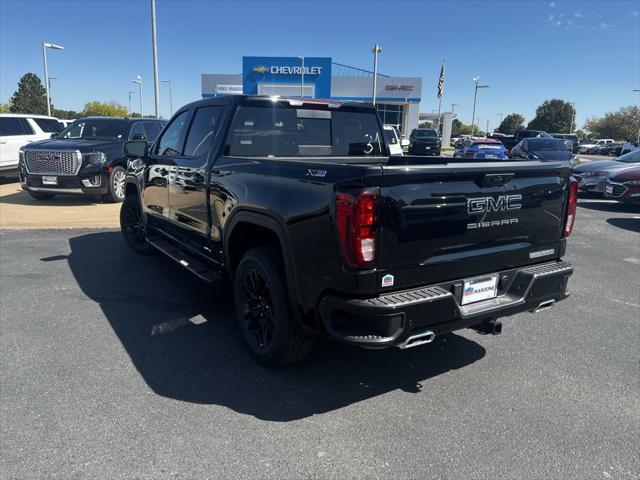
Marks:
<point>421,149</point>
<point>389,320</point>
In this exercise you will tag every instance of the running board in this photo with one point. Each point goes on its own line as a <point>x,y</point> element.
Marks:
<point>200,269</point>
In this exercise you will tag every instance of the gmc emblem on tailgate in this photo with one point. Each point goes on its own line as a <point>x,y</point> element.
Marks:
<point>491,204</point>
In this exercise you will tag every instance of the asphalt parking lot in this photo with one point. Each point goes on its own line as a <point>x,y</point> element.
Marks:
<point>120,366</point>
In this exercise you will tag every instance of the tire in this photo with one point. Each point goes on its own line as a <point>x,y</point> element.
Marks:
<point>116,192</point>
<point>132,226</point>
<point>262,310</point>
<point>41,195</point>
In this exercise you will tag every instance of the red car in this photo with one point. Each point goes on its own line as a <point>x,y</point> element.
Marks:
<point>624,185</point>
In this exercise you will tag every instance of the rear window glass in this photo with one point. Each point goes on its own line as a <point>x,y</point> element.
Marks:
<point>48,126</point>
<point>488,146</point>
<point>390,136</point>
<point>283,132</point>
<point>546,145</point>
<point>631,157</point>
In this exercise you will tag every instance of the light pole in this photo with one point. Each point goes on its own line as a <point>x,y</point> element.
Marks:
<point>638,137</point>
<point>476,79</point>
<point>139,82</point>
<point>130,93</point>
<point>52,46</point>
<point>49,80</point>
<point>154,45</point>
<point>453,106</point>
<point>375,50</point>
<point>500,115</point>
<point>302,77</point>
<point>170,96</point>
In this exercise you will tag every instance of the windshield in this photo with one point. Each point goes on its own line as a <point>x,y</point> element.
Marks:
<point>630,157</point>
<point>546,145</point>
<point>425,133</point>
<point>96,129</point>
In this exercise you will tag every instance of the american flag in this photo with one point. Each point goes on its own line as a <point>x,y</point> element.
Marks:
<point>441,81</point>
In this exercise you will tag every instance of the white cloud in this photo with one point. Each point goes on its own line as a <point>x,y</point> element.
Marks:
<point>558,23</point>
<point>634,13</point>
<point>552,5</point>
<point>551,17</point>
<point>578,14</point>
<point>606,26</point>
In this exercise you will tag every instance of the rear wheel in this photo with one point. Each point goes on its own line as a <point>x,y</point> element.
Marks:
<point>41,195</point>
<point>132,226</point>
<point>262,310</point>
<point>116,192</point>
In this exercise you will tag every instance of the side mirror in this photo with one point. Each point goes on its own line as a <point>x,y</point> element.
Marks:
<point>136,148</point>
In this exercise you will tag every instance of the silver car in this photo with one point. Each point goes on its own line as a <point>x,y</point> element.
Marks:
<point>593,175</point>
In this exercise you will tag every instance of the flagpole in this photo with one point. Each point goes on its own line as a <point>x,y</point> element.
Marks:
<point>444,60</point>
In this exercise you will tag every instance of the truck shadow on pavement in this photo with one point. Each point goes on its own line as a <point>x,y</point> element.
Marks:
<point>182,338</point>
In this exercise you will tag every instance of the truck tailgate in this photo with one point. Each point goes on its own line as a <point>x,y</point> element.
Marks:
<point>446,221</point>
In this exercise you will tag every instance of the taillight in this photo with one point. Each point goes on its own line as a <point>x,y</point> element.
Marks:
<point>357,221</point>
<point>572,205</point>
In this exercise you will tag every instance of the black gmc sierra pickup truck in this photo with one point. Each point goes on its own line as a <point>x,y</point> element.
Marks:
<point>321,232</point>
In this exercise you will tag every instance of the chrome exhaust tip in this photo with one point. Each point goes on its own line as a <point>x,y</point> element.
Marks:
<point>418,339</point>
<point>546,305</point>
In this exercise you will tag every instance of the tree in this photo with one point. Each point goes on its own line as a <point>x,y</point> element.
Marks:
<point>5,108</point>
<point>458,128</point>
<point>554,116</point>
<point>30,97</point>
<point>511,124</point>
<point>620,125</point>
<point>110,109</point>
<point>64,114</point>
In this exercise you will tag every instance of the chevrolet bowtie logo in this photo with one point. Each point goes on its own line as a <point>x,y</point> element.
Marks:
<point>260,69</point>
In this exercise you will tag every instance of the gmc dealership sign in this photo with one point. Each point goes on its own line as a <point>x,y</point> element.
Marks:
<point>399,88</point>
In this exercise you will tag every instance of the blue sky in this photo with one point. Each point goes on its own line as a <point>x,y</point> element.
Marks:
<point>587,52</point>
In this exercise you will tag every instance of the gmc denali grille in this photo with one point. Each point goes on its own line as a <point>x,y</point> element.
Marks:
<point>52,162</point>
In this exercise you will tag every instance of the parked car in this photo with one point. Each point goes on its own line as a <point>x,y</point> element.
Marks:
<point>510,142</point>
<point>85,158</point>
<point>17,130</point>
<point>629,146</point>
<point>541,149</point>
<point>570,139</point>
<point>583,148</point>
<point>321,232</point>
<point>482,149</point>
<point>424,141</point>
<point>609,149</point>
<point>391,137</point>
<point>65,123</point>
<point>593,175</point>
<point>624,185</point>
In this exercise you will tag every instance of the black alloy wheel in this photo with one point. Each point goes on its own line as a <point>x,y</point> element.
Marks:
<point>132,226</point>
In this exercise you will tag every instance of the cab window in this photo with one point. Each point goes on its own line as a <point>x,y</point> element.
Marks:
<point>203,128</point>
<point>170,143</point>
<point>137,132</point>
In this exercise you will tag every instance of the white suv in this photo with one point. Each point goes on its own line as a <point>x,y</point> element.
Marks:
<point>18,129</point>
<point>586,146</point>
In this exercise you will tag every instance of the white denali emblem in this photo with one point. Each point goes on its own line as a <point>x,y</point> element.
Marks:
<point>491,204</point>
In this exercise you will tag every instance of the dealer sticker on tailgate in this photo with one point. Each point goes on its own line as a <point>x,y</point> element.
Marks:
<point>480,288</point>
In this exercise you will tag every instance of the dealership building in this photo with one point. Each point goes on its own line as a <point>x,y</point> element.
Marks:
<point>397,98</point>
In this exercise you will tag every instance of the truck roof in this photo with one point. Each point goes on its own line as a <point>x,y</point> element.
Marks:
<point>293,101</point>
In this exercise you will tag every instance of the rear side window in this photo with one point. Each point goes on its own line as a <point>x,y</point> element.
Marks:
<point>203,128</point>
<point>390,136</point>
<point>282,132</point>
<point>48,125</point>
<point>547,145</point>
<point>170,141</point>
<point>10,126</point>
